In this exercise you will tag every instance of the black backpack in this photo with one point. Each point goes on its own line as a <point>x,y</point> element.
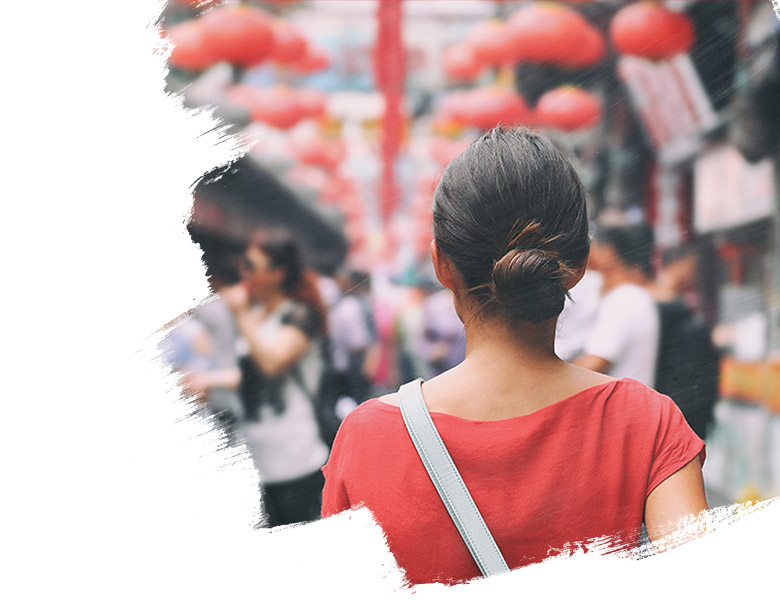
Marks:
<point>688,365</point>
<point>257,389</point>
<point>333,385</point>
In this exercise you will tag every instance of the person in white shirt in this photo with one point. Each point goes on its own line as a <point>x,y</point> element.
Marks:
<point>280,315</point>
<point>578,315</point>
<point>623,341</point>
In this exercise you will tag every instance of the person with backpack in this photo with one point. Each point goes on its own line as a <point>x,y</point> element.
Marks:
<point>353,334</point>
<point>282,319</point>
<point>688,365</point>
<point>514,455</point>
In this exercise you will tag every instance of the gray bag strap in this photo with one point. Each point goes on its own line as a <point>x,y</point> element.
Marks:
<point>448,482</point>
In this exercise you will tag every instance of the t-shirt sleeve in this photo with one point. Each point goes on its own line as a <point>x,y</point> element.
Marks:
<point>675,444</point>
<point>334,494</point>
<point>609,335</point>
<point>303,318</point>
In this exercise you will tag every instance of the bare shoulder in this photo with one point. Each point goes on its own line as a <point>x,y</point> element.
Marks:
<point>391,399</point>
<point>587,378</point>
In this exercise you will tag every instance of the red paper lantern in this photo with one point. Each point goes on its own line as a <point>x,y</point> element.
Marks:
<point>546,32</point>
<point>189,51</point>
<point>460,62</point>
<point>318,152</point>
<point>238,34</point>
<point>316,59</point>
<point>590,51</point>
<point>568,108</point>
<point>289,45</point>
<point>486,108</point>
<point>651,31</point>
<point>491,43</point>
<point>311,103</point>
<point>275,106</point>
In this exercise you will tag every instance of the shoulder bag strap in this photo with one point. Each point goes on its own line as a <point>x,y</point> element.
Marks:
<point>448,482</point>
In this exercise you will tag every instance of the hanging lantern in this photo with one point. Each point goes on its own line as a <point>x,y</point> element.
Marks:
<point>546,32</point>
<point>289,44</point>
<point>189,51</point>
<point>453,108</point>
<point>491,43</point>
<point>499,107</point>
<point>318,152</point>
<point>568,108</point>
<point>590,51</point>
<point>275,106</point>
<point>486,108</point>
<point>311,103</point>
<point>650,30</point>
<point>316,59</point>
<point>238,34</point>
<point>460,63</point>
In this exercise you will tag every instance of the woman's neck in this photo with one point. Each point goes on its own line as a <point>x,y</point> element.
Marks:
<point>497,342</point>
<point>509,370</point>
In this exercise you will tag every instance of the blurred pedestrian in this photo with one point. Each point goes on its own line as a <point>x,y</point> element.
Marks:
<point>551,453</point>
<point>623,341</point>
<point>353,333</point>
<point>443,343</point>
<point>281,316</point>
<point>408,327</point>
<point>688,366</point>
<point>218,382</point>
<point>186,349</point>
<point>578,315</point>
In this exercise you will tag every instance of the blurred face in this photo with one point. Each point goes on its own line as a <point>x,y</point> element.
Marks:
<point>683,271</point>
<point>261,278</point>
<point>601,256</point>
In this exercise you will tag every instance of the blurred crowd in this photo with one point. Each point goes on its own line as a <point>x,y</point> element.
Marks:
<point>278,355</point>
<point>316,240</point>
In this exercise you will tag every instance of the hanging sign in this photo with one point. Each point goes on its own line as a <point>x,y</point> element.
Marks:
<point>730,191</point>
<point>671,102</point>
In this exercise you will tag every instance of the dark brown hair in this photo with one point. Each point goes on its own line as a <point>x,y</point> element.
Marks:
<point>284,252</point>
<point>634,245</point>
<point>511,213</point>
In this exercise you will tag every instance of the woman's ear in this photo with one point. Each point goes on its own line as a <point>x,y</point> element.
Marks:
<point>443,267</point>
<point>576,275</point>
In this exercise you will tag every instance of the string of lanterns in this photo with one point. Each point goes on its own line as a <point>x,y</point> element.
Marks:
<point>552,34</point>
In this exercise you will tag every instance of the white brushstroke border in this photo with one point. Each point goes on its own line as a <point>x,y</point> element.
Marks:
<point>111,490</point>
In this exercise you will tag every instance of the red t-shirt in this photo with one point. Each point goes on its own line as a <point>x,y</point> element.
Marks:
<point>576,470</point>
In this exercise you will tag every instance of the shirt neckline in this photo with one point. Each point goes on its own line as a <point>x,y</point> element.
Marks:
<point>607,384</point>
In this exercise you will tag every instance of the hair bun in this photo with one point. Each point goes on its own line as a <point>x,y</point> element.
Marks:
<point>528,284</point>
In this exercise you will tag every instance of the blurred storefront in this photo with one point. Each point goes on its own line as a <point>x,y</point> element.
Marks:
<point>712,176</point>
<point>737,200</point>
